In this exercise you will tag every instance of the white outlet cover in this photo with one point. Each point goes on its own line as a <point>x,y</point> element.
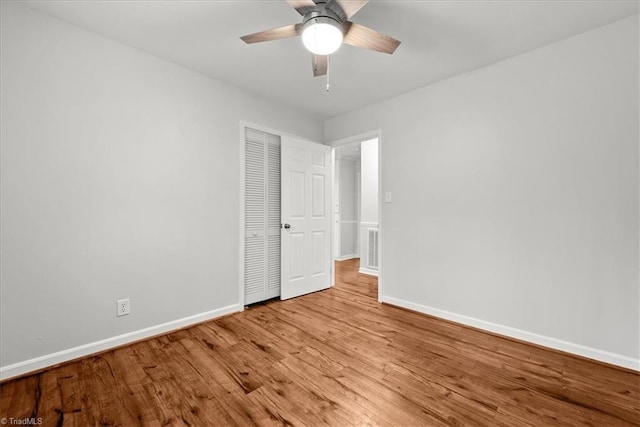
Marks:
<point>123,307</point>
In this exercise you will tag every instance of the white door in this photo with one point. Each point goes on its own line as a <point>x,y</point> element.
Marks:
<point>306,217</point>
<point>262,216</point>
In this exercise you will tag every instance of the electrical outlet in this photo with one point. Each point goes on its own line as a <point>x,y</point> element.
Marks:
<point>122,307</point>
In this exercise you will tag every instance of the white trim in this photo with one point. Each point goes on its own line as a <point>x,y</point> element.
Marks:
<point>569,347</point>
<point>241,145</point>
<point>380,202</point>
<point>369,224</point>
<point>346,257</point>
<point>52,359</point>
<point>334,215</point>
<point>368,271</point>
<point>357,138</point>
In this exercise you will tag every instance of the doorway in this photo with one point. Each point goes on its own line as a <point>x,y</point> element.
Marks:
<point>356,210</point>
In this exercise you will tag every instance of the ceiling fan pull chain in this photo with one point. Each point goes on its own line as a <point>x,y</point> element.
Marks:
<point>328,63</point>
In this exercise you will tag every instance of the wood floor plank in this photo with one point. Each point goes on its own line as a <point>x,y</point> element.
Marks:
<point>20,399</point>
<point>326,383</point>
<point>336,357</point>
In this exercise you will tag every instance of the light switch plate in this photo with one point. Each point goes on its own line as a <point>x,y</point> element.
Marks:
<point>387,197</point>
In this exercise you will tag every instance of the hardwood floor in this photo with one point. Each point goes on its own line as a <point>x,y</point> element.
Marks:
<point>336,357</point>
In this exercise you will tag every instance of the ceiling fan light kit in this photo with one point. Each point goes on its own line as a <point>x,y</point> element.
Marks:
<point>322,35</point>
<point>325,26</point>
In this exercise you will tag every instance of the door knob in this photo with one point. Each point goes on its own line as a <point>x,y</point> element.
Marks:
<point>287,226</point>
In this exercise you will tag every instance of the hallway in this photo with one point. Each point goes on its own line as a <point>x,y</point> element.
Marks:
<point>348,279</point>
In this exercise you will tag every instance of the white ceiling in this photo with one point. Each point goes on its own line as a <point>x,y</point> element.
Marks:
<point>440,39</point>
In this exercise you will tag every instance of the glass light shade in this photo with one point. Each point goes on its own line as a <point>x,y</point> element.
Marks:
<point>322,38</point>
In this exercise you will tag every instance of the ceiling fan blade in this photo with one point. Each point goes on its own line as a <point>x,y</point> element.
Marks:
<point>302,6</point>
<point>273,34</point>
<point>319,63</point>
<point>361,36</point>
<point>346,8</point>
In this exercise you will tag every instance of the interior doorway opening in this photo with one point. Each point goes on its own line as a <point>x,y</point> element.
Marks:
<point>356,211</point>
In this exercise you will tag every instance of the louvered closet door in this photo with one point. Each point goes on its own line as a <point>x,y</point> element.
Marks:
<point>273,216</point>
<point>262,216</point>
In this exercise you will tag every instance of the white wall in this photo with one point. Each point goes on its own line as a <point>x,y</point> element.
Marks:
<point>348,189</point>
<point>348,210</point>
<point>515,194</point>
<point>120,178</point>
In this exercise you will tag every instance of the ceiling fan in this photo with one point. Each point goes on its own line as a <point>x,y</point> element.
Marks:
<point>325,26</point>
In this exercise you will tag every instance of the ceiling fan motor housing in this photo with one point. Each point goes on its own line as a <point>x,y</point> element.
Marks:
<point>322,15</point>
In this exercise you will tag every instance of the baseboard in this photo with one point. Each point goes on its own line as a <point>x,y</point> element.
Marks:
<point>556,344</point>
<point>346,257</point>
<point>368,271</point>
<point>41,362</point>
